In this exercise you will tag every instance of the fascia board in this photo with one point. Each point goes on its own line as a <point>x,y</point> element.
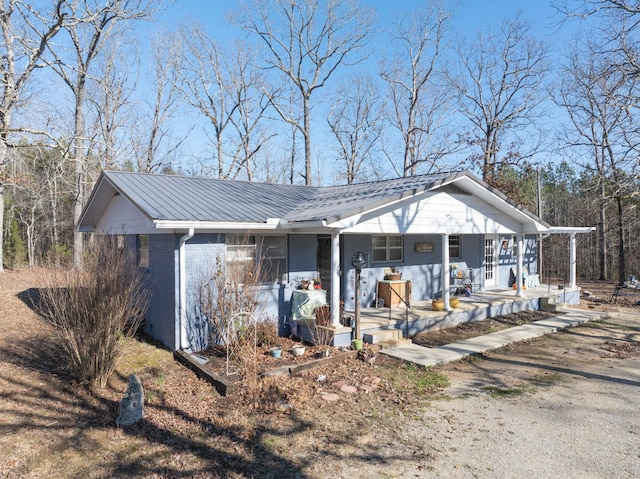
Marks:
<point>212,225</point>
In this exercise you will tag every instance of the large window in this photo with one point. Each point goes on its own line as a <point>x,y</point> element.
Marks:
<point>240,255</point>
<point>268,253</point>
<point>143,250</point>
<point>387,248</point>
<point>273,258</point>
<point>455,250</point>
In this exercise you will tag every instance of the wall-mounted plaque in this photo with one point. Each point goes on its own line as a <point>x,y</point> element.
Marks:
<point>424,247</point>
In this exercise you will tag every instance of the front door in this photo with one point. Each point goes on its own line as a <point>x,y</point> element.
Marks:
<point>490,269</point>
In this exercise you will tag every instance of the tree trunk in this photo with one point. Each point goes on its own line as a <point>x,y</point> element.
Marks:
<point>602,233</point>
<point>622,273</point>
<point>307,142</point>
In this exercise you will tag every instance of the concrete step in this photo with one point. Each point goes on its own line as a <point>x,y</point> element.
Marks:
<point>386,338</point>
<point>375,337</point>
<point>394,343</point>
<point>547,304</point>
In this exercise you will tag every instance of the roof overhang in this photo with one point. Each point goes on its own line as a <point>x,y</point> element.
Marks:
<point>554,230</point>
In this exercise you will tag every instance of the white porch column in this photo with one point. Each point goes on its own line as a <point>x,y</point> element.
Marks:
<point>335,279</point>
<point>519,269</point>
<point>446,272</point>
<point>572,260</point>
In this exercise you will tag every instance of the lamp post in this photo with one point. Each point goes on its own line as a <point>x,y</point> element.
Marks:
<point>358,260</point>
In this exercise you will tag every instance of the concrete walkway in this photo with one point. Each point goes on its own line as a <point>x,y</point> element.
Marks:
<point>456,351</point>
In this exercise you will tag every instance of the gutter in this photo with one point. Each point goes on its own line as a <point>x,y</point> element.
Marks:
<point>182,275</point>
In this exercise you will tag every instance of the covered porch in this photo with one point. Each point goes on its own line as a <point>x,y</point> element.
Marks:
<point>403,321</point>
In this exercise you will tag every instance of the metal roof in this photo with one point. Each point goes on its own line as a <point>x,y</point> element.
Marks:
<point>181,198</point>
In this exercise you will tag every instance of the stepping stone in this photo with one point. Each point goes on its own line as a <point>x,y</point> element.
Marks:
<point>331,397</point>
<point>348,389</point>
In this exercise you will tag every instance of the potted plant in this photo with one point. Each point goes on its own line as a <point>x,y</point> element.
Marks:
<point>276,351</point>
<point>392,274</point>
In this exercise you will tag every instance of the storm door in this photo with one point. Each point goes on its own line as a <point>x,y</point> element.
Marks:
<point>490,269</point>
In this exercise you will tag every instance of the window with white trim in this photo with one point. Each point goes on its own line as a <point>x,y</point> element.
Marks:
<point>455,250</point>
<point>242,253</point>
<point>387,248</point>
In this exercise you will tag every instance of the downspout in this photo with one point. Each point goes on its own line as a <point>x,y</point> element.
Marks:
<point>182,344</point>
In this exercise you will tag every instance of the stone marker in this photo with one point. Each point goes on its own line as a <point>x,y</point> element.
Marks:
<point>130,410</point>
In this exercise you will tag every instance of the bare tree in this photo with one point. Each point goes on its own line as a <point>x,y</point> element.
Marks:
<point>222,84</point>
<point>356,122</point>
<point>306,41</point>
<point>500,81</point>
<point>110,99</point>
<point>96,25</point>
<point>419,100</point>
<point>154,145</point>
<point>602,105</point>
<point>25,35</point>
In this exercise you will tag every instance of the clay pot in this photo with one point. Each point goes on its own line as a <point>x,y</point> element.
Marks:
<point>437,305</point>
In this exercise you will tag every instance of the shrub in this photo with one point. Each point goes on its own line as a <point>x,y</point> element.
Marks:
<point>94,309</point>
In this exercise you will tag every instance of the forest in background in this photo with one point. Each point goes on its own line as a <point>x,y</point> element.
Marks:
<point>291,102</point>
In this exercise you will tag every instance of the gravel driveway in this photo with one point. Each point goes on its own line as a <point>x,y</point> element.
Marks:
<point>562,406</point>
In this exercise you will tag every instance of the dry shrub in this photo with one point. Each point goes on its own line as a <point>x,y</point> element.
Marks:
<point>228,297</point>
<point>94,309</point>
<point>320,332</point>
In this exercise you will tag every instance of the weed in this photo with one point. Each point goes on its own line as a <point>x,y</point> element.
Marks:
<point>516,390</point>
<point>425,380</point>
<point>545,379</point>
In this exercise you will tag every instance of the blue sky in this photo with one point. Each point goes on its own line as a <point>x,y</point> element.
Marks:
<point>470,16</point>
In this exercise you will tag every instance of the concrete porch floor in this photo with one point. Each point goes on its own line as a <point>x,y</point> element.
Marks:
<point>420,317</point>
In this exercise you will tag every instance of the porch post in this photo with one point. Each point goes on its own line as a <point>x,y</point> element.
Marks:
<point>520,240</point>
<point>572,260</point>
<point>446,272</point>
<point>335,279</point>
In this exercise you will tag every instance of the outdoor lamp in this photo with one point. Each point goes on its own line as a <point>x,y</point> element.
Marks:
<point>359,260</point>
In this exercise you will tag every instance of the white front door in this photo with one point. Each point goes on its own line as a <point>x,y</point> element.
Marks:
<point>490,257</point>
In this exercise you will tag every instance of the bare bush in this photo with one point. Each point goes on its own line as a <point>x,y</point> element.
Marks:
<point>94,309</point>
<point>320,332</point>
<point>229,300</point>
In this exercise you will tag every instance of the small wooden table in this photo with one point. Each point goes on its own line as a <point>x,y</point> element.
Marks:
<point>395,292</point>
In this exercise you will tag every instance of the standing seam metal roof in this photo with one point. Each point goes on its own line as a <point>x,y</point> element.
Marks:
<point>181,198</point>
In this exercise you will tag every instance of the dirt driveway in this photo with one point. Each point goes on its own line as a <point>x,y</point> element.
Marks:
<point>565,405</point>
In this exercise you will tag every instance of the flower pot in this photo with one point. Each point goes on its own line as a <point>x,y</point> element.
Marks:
<point>437,305</point>
<point>298,350</point>
<point>357,344</point>
<point>276,352</point>
<point>394,276</point>
<point>454,302</point>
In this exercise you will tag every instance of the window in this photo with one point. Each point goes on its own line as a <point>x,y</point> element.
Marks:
<point>273,258</point>
<point>243,252</point>
<point>240,254</point>
<point>454,247</point>
<point>387,248</point>
<point>143,250</point>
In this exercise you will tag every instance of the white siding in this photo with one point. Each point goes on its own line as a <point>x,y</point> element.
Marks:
<point>121,217</point>
<point>437,213</point>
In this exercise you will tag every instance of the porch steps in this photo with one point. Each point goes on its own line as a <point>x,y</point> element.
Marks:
<point>386,338</point>
<point>549,305</point>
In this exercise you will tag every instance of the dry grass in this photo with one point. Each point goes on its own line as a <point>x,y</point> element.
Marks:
<point>50,428</point>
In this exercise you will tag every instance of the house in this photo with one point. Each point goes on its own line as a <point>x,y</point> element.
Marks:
<point>424,226</point>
